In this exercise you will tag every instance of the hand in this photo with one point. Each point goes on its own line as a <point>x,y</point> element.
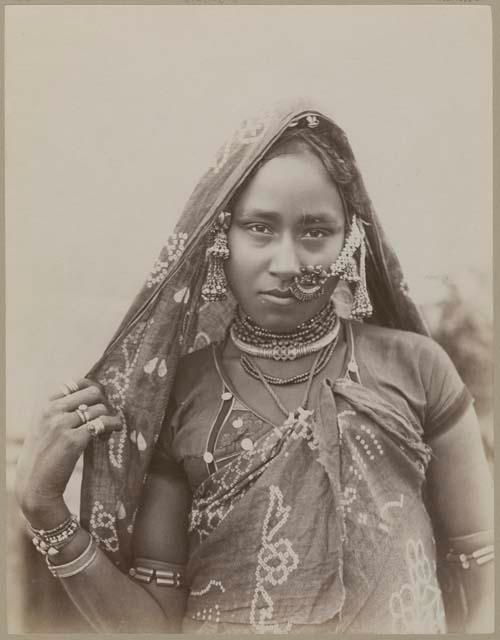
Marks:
<point>52,449</point>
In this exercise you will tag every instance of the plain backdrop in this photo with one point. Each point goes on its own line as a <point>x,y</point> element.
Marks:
<point>113,112</point>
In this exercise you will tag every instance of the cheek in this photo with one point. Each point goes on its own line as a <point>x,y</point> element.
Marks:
<point>242,264</point>
<point>336,247</point>
<point>326,254</point>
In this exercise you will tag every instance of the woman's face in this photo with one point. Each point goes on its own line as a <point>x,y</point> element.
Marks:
<point>289,215</point>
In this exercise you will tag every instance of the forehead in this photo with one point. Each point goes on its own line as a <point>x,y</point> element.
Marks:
<point>291,185</point>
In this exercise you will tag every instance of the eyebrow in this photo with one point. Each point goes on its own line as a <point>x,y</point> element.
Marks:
<point>307,218</point>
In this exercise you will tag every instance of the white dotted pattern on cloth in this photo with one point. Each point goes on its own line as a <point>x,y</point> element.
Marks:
<point>276,560</point>
<point>418,607</point>
<point>375,443</point>
<point>174,249</point>
<point>103,520</point>
<point>212,583</point>
<point>117,381</point>
<point>207,513</point>
<point>250,131</point>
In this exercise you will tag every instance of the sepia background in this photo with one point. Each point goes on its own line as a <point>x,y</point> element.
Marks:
<point>113,112</point>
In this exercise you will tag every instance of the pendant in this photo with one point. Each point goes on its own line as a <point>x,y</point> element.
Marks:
<point>300,417</point>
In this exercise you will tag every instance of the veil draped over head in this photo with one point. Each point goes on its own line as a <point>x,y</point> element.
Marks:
<point>169,319</point>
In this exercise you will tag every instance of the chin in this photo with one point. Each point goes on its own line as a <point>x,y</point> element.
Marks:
<point>283,319</point>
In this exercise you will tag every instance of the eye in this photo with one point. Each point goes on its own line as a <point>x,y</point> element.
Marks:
<point>257,227</point>
<point>316,233</point>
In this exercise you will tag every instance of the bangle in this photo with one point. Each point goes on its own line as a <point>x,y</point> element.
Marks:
<point>51,541</point>
<point>481,556</point>
<point>77,565</point>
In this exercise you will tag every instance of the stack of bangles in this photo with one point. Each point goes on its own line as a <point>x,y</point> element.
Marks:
<point>49,543</point>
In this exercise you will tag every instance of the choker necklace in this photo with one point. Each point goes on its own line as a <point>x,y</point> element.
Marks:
<point>253,370</point>
<point>309,337</point>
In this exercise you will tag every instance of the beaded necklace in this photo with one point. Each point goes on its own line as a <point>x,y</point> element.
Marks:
<point>251,369</point>
<point>309,337</point>
<point>301,411</point>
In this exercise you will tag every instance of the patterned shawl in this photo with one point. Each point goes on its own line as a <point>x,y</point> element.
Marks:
<point>168,319</point>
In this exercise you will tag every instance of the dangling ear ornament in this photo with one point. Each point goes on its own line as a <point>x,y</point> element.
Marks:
<point>215,286</point>
<point>310,284</point>
<point>345,268</point>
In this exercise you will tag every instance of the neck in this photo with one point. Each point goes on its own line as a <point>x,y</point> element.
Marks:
<point>309,337</point>
<point>327,312</point>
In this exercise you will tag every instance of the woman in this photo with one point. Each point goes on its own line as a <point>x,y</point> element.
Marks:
<point>253,462</point>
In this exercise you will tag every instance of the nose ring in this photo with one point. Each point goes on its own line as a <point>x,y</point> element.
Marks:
<point>310,284</point>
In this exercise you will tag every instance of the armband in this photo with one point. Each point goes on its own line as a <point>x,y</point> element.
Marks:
<point>481,556</point>
<point>164,574</point>
<point>475,547</point>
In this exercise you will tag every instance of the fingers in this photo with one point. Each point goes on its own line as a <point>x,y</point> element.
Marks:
<point>63,413</point>
<point>84,433</point>
<point>65,390</point>
<point>94,411</point>
<point>91,393</point>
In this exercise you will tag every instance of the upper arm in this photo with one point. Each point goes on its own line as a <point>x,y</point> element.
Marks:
<point>460,490</point>
<point>459,480</point>
<point>161,534</point>
<point>446,396</point>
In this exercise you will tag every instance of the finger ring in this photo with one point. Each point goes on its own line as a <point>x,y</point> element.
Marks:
<point>69,387</point>
<point>83,415</point>
<point>82,408</point>
<point>96,427</point>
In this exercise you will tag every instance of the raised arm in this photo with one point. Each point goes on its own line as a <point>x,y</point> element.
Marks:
<point>110,600</point>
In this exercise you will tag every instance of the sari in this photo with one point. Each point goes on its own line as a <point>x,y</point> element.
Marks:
<point>167,320</point>
<point>320,525</point>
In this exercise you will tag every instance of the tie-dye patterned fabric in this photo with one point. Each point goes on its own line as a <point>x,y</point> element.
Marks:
<point>168,319</point>
<point>320,526</point>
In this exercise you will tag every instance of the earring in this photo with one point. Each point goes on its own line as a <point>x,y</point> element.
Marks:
<point>310,284</point>
<point>345,268</point>
<point>215,286</point>
<point>361,305</point>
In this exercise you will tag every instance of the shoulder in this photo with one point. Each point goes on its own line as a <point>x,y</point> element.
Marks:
<point>400,350</point>
<point>383,338</point>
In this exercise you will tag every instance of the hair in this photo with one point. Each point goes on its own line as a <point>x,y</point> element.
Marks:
<point>330,145</point>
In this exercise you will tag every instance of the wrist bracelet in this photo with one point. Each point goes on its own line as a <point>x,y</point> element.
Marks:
<point>481,556</point>
<point>51,541</point>
<point>77,565</point>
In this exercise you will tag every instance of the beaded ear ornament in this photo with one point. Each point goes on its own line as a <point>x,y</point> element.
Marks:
<point>310,284</point>
<point>215,287</point>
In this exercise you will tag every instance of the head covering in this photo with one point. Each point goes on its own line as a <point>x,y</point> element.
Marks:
<point>168,319</point>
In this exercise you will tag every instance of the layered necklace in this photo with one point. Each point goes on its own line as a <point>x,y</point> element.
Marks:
<point>309,337</point>
<point>319,335</point>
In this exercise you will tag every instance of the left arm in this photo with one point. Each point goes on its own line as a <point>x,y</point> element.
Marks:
<point>461,494</point>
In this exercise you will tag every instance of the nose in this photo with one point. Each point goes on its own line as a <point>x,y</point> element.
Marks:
<point>285,263</point>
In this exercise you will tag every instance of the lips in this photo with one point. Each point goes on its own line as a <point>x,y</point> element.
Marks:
<point>279,293</point>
